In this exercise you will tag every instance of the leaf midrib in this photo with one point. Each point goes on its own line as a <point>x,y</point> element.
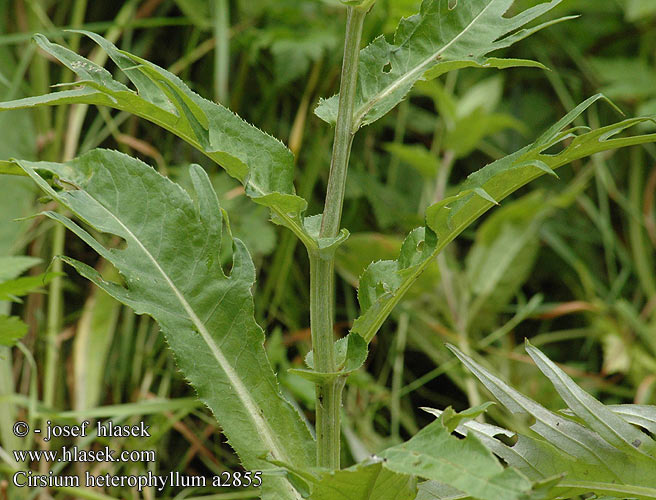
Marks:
<point>587,407</point>
<point>362,112</point>
<point>242,393</point>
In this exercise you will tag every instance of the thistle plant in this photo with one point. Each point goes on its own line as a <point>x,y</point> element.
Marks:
<point>170,268</point>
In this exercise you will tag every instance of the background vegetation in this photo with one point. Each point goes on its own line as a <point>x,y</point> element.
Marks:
<point>569,266</point>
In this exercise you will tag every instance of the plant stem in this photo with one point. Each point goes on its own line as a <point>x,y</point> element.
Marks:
<point>221,50</point>
<point>322,280</point>
<point>344,132</point>
<point>328,393</point>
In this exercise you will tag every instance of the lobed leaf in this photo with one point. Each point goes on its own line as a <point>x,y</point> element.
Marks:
<point>434,454</point>
<point>260,162</point>
<point>385,283</point>
<point>171,269</point>
<point>593,456</point>
<point>440,38</point>
<point>613,428</point>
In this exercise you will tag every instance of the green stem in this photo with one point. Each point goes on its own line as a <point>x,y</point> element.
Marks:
<point>54,324</point>
<point>322,279</point>
<point>328,393</point>
<point>344,132</point>
<point>221,50</point>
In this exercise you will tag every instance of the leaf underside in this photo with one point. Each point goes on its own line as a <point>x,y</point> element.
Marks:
<point>436,40</point>
<point>384,283</point>
<point>171,269</point>
<point>433,454</point>
<point>602,452</point>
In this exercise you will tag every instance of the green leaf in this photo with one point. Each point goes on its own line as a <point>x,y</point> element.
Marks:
<point>471,129</point>
<point>10,168</point>
<point>325,246</point>
<point>465,464</point>
<point>436,40</point>
<point>350,354</point>
<point>171,271</point>
<point>504,251</point>
<point>451,419</point>
<point>12,329</point>
<point>594,455</point>
<point>384,283</point>
<point>370,480</point>
<point>613,428</point>
<point>637,10</point>
<point>12,267</point>
<point>642,415</point>
<point>432,490</point>
<point>261,163</point>
<point>12,289</point>
<point>92,342</point>
<point>417,156</point>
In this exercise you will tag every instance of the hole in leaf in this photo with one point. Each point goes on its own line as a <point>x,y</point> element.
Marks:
<point>508,441</point>
<point>453,4</point>
<point>387,68</point>
<point>420,246</point>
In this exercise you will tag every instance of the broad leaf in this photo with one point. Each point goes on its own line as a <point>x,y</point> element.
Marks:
<point>437,40</point>
<point>367,481</point>
<point>385,283</point>
<point>602,453</point>
<point>263,164</point>
<point>432,490</point>
<point>433,453</point>
<point>170,266</point>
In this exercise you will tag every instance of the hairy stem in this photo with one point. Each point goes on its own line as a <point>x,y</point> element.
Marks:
<point>221,50</point>
<point>328,393</point>
<point>322,281</point>
<point>332,212</point>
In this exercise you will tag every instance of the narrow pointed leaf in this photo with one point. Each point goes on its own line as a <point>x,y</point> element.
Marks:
<point>436,40</point>
<point>171,271</point>
<point>567,435</point>
<point>588,461</point>
<point>642,415</point>
<point>613,428</point>
<point>260,162</point>
<point>383,284</point>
